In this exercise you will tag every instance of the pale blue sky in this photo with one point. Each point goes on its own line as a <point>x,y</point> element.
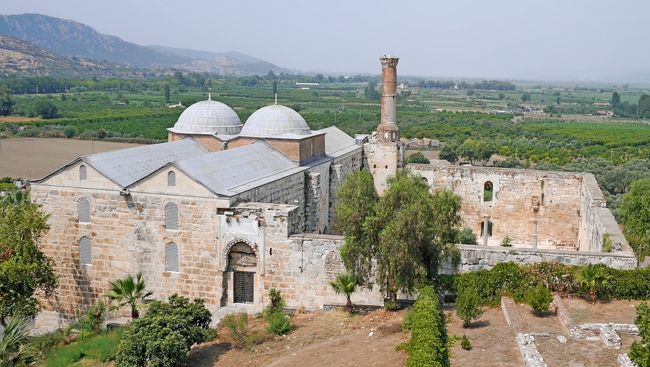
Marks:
<point>564,39</point>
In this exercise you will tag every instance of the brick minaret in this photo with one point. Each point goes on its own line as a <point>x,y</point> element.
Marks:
<point>387,129</point>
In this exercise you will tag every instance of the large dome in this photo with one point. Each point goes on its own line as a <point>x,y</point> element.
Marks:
<point>208,117</point>
<point>275,120</point>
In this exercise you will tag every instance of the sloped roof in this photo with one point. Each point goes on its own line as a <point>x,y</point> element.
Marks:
<point>233,171</point>
<point>126,166</point>
<point>338,143</point>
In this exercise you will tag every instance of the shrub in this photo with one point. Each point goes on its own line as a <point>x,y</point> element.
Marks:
<point>640,351</point>
<point>90,322</point>
<point>594,280</point>
<point>465,343</point>
<point>164,336</point>
<point>345,283</point>
<point>468,306</point>
<point>428,343</point>
<point>466,236</point>
<point>506,242</point>
<point>608,244</point>
<point>239,331</point>
<point>279,323</point>
<point>277,302</point>
<point>539,298</point>
<point>14,348</point>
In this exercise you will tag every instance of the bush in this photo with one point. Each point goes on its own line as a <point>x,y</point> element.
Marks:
<point>468,306</point>
<point>466,236</point>
<point>279,323</point>
<point>90,322</point>
<point>506,242</point>
<point>539,298</point>
<point>465,343</point>
<point>164,336</point>
<point>428,343</point>
<point>640,351</point>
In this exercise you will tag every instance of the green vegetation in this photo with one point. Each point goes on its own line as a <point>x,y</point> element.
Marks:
<point>129,291</point>
<point>640,350</point>
<point>405,231</point>
<point>6,102</point>
<point>346,284</point>
<point>506,242</point>
<point>240,331</point>
<point>634,210</point>
<point>15,351</point>
<point>428,343</point>
<point>468,306</point>
<point>93,350</point>
<point>539,298</point>
<point>24,268</point>
<point>164,336</point>
<point>417,157</point>
<point>465,343</point>
<point>466,237</point>
<point>278,322</point>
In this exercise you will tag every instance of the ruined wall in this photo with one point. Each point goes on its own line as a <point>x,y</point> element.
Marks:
<point>317,194</point>
<point>475,258</point>
<point>530,207</point>
<point>340,169</point>
<point>596,220</point>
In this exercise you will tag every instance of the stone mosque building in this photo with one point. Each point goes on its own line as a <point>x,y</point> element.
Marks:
<point>225,211</point>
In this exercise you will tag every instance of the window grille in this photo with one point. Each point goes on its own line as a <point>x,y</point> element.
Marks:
<point>83,210</point>
<point>85,251</point>
<point>83,173</point>
<point>171,179</point>
<point>171,257</point>
<point>171,216</point>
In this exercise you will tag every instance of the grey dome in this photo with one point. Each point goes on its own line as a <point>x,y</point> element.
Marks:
<point>275,120</point>
<point>208,117</point>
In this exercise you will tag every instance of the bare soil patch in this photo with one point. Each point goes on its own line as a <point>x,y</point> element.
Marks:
<point>16,119</point>
<point>493,341</point>
<point>320,339</point>
<point>33,158</point>
<point>581,311</point>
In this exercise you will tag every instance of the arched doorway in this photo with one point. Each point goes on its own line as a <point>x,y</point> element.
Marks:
<point>240,274</point>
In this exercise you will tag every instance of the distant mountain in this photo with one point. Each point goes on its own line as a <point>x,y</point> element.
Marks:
<point>73,39</point>
<point>18,57</point>
<point>222,62</point>
<point>70,38</point>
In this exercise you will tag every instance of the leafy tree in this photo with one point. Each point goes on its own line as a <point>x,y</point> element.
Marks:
<point>449,152</point>
<point>164,336</point>
<point>355,202</point>
<point>129,291</point>
<point>275,87</point>
<point>634,210</point>
<point>24,268</point>
<point>616,100</point>
<point>417,157</point>
<point>539,298</point>
<point>46,109</point>
<point>15,351</point>
<point>640,350</point>
<point>466,237</point>
<point>345,283</point>
<point>468,306</point>
<point>7,102</point>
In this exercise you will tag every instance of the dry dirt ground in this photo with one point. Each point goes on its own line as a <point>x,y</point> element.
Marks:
<point>14,119</point>
<point>320,339</point>
<point>33,158</point>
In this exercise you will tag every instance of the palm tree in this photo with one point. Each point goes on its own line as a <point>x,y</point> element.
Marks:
<point>14,349</point>
<point>345,283</point>
<point>591,278</point>
<point>129,291</point>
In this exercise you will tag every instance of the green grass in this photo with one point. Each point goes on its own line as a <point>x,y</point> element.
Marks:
<point>94,350</point>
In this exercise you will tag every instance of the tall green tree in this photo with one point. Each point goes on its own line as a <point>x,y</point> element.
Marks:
<point>46,109</point>
<point>644,105</point>
<point>129,291</point>
<point>634,210</point>
<point>355,203</point>
<point>7,102</point>
<point>616,99</point>
<point>167,93</point>
<point>24,268</point>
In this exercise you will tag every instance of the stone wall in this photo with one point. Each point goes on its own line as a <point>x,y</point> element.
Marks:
<point>475,258</point>
<point>535,209</point>
<point>383,160</point>
<point>317,196</point>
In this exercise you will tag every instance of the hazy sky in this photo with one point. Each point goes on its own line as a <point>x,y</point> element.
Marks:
<point>564,39</point>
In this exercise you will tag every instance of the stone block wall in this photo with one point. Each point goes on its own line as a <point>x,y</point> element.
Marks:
<point>383,160</point>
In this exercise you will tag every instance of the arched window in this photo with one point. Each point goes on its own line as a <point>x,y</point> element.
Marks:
<point>171,179</point>
<point>83,210</point>
<point>488,191</point>
<point>171,216</point>
<point>85,251</point>
<point>83,173</point>
<point>171,257</point>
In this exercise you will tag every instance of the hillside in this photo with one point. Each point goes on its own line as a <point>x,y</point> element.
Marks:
<point>19,58</point>
<point>73,39</point>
